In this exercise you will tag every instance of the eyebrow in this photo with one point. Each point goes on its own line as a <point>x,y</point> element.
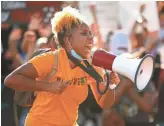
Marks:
<point>86,30</point>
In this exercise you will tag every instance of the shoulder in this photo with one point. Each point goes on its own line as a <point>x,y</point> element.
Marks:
<point>44,59</point>
<point>44,63</point>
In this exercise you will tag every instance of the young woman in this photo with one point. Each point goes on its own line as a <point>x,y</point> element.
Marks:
<point>58,99</point>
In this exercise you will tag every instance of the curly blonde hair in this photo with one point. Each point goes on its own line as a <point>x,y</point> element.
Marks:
<point>63,21</point>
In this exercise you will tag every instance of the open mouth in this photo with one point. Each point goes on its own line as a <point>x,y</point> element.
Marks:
<point>89,47</point>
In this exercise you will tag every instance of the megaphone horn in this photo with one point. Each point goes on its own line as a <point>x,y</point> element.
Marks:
<point>139,71</point>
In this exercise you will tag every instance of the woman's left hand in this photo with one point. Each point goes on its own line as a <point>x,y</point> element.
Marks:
<point>114,78</point>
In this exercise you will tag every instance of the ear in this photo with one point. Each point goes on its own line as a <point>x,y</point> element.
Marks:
<point>68,40</point>
<point>67,43</point>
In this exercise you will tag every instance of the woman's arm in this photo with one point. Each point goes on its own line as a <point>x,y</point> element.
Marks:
<point>111,97</point>
<point>23,78</point>
<point>107,100</point>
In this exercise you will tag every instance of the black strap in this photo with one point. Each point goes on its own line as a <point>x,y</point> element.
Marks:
<point>40,51</point>
<point>91,71</point>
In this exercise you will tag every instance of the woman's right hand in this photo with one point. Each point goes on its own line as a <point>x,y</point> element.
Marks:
<point>57,87</point>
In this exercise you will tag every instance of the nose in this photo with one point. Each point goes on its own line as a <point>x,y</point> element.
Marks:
<point>90,38</point>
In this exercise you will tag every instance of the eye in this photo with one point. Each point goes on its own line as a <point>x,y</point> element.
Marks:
<point>84,33</point>
<point>90,33</point>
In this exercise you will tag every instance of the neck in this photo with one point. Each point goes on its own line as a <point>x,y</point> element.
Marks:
<point>72,65</point>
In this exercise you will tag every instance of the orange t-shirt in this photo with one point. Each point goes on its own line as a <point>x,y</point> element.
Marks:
<point>58,109</point>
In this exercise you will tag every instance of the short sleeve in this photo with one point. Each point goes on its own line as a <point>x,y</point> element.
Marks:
<point>43,63</point>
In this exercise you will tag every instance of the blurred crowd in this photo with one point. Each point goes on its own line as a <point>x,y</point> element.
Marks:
<point>22,43</point>
<point>19,42</point>
<point>139,108</point>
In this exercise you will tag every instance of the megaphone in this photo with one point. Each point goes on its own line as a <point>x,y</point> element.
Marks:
<point>139,71</point>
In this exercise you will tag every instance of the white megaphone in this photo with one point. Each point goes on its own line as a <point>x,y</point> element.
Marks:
<point>139,71</point>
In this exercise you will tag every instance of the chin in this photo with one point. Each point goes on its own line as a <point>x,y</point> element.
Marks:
<point>87,56</point>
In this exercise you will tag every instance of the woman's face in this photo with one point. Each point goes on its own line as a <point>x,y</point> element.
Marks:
<point>82,40</point>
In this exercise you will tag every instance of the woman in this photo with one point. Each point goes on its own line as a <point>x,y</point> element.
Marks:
<point>58,99</point>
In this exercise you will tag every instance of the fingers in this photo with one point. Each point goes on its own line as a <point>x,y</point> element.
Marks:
<point>114,78</point>
<point>113,74</point>
<point>61,86</point>
<point>64,85</point>
<point>67,82</point>
<point>115,81</point>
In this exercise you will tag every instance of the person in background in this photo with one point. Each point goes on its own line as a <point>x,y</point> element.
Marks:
<point>108,40</point>
<point>27,48</point>
<point>38,26</point>
<point>41,43</point>
<point>10,60</point>
<point>132,108</point>
<point>159,118</point>
<point>52,42</point>
<point>160,111</point>
<point>28,45</point>
<point>139,32</point>
<point>44,30</point>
